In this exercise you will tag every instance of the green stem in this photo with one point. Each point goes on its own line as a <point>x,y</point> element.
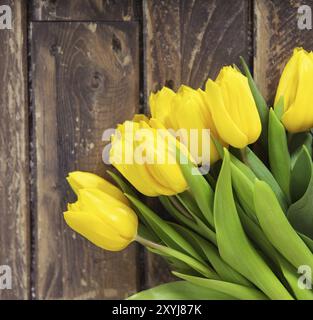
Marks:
<point>243,153</point>
<point>205,270</point>
<point>147,243</point>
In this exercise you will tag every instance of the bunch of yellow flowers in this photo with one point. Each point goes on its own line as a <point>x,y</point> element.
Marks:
<point>235,176</point>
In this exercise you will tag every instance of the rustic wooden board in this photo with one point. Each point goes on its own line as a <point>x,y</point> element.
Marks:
<point>84,79</point>
<point>185,42</point>
<point>276,34</point>
<point>121,10</point>
<point>14,165</point>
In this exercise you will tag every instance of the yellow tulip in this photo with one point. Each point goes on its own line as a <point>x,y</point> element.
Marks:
<point>140,153</point>
<point>295,86</point>
<point>102,219</point>
<point>160,105</point>
<point>80,180</point>
<point>233,108</point>
<point>187,109</point>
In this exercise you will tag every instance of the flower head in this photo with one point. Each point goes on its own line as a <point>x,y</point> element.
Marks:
<point>188,110</point>
<point>102,217</point>
<point>145,156</point>
<point>296,87</point>
<point>233,109</point>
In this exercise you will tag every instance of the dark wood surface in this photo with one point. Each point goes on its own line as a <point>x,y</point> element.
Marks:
<point>276,35</point>
<point>99,10</point>
<point>89,74</point>
<point>14,145</point>
<point>90,65</point>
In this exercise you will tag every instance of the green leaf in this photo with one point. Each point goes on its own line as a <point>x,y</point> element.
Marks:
<point>177,214</point>
<point>244,190</point>
<point>243,168</point>
<point>307,241</point>
<point>189,202</point>
<point>233,244</point>
<point>278,153</point>
<point>209,252</point>
<point>256,234</point>
<point>279,108</point>
<point>175,264</point>
<point>262,173</point>
<point>296,142</point>
<point>277,228</point>
<point>259,101</point>
<point>218,146</point>
<point>210,179</point>
<point>291,275</point>
<point>198,266</point>
<point>164,231</point>
<point>235,290</point>
<point>199,187</point>
<point>300,213</point>
<point>203,228</point>
<point>197,226</point>
<point>146,233</point>
<point>180,290</point>
<point>301,175</point>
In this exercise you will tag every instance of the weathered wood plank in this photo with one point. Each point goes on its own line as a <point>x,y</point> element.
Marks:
<point>14,165</point>
<point>276,34</point>
<point>214,33</point>
<point>85,80</point>
<point>185,43</point>
<point>122,10</point>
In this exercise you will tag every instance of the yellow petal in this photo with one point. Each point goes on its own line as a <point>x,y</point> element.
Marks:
<point>93,228</point>
<point>112,212</point>
<point>140,117</point>
<point>299,116</point>
<point>80,179</point>
<point>160,105</point>
<point>227,129</point>
<point>239,102</point>
<point>288,82</point>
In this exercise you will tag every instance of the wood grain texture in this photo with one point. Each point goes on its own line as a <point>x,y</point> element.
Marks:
<point>189,41</point>
<point>185,42</point>
<point>100,10</point>
<point>14,168</point>
<point>276,35</point>
<point>85,80</point>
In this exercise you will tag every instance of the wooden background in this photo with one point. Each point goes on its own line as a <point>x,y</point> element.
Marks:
<point>69,69</point>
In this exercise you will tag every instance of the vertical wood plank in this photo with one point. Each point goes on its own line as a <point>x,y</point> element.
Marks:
<point>14,168</point>
<point>100,10</point>
<point>85,80</point>
<point>161,26</point>
<point>185,42</point>
<point>214,33</point>
<point>161,23</point>
<point>188,41</point>
<point>276,34</point>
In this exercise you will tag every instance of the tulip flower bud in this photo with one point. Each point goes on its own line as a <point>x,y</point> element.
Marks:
<point>160,105</point>
<point>145,158</point>
<point>82,180</point>
<point>188,110</point>
<point>102,219</point>
<point>295,86</point>
<point>233,109</point>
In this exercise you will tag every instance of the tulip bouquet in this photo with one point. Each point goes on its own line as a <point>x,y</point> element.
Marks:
<point>238,219</point>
